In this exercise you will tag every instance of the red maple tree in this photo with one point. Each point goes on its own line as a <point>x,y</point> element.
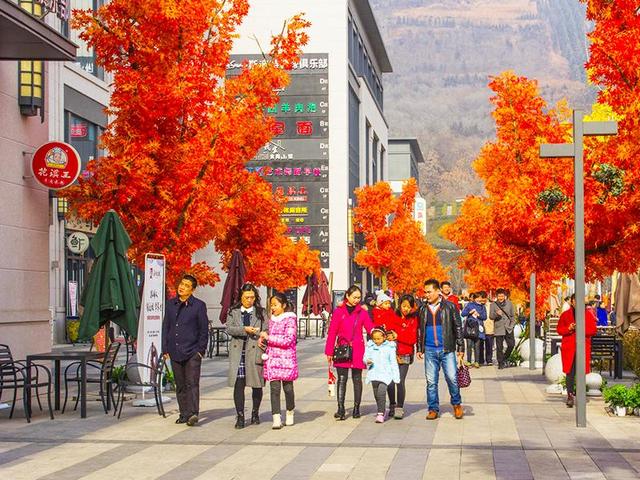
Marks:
<point>395,248</point>
<point>180,134</point>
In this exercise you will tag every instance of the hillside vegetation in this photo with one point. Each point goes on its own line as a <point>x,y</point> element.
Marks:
<point>443,52</point>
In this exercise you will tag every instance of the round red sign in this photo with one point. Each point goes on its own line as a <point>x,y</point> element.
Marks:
<point>56,165</point>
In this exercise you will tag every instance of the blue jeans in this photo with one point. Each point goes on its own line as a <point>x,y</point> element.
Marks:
<point>433,360</point>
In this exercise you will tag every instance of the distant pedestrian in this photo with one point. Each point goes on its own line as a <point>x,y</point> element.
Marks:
<point>441,345</point>
<point>503,315</point>
<point>382,368</point>
<point>281,364</point>
<point>245,323</point>
<point>185,334</point>
<point>489,335</point>
<point>474,314</point>
<point>345,328</point>
<point>567,328</point>
<point>447,294</point>
<point>405,328</point>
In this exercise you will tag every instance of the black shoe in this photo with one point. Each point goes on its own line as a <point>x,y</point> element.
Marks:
<point>239,421</point>
<point>341,414</point>
<point>356,411</point>
<point>192,420</point>
<point>181,420</point>
<point>392,410</point>
<point>255,417</point>
<point>500,366</point>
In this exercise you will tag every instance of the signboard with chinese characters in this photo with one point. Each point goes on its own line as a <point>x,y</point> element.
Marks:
<point>151,314</point>
<point>56,165</point>
<point>296,161</point>
<point>59,7</point>
<point>78,243</point>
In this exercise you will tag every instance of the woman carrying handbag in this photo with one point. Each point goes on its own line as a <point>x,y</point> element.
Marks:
<point>345,347</point>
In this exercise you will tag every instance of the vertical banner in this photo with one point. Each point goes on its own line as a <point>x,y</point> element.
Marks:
<point>151,313</point>
<point>73,298</point>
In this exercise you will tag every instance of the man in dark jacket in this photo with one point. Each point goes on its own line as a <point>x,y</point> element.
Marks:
<point>503,314</point>
<point>441,345</point>
<point>185,333</point>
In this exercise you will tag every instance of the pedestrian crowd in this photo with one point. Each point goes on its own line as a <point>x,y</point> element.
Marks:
<point>379,336</point>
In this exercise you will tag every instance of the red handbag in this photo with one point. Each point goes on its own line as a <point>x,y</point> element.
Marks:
<point>464,376</point>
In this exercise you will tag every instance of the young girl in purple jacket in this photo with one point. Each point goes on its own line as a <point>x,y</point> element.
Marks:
<point>281,363</point>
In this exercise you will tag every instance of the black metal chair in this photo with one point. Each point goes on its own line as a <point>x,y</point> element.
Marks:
<point>155,381</point>
<point>14,375</point>
<point>217,336</point>
<point>603,348</point>
<point>105,380</point>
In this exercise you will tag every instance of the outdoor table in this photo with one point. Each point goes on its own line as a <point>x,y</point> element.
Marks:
<point>214,335</point>
<point>67,355</point>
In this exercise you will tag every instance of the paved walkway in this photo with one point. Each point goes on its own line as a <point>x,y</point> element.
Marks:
<point>512,430</point>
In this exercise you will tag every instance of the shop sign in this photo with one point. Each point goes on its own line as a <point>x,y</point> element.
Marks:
<point>79,130</point>
<point>59,7</point>
<point>78,243</point>
<point>56,165</point>
<point>80,225</point>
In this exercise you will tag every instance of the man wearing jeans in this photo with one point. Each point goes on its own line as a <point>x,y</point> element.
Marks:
<point>441,345</point>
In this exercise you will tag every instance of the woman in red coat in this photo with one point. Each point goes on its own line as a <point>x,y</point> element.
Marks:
<point>567,328</point>
<point>405,327</point>
<point>346,326</point>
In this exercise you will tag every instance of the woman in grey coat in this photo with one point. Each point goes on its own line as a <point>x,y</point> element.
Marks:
<point>245,322</point>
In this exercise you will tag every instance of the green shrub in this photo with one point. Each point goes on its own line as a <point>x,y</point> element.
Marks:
<point>633,396</point>
<point>616,395</point>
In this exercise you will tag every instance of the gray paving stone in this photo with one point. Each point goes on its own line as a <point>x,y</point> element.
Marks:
<point>305,464</point>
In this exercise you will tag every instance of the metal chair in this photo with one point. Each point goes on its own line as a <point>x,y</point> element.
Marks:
<point>155,381</point>
<point>14,375</point>
<point>603,348</point>
<point>105,379</point>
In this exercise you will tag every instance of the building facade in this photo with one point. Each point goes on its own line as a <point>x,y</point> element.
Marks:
<point>404,156</point>
<point>332,137</point>
<point>43,272</point>
<point>31,51</point>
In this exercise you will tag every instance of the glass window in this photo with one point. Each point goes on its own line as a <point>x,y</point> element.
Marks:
<point>354,142</point>
<point>374,163</point>
<point>84,136</point>
<point>85,57</point>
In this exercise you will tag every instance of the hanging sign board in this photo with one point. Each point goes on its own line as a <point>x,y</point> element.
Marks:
<point>56,165</point>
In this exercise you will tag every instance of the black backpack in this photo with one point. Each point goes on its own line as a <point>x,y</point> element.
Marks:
<point>471,329</point>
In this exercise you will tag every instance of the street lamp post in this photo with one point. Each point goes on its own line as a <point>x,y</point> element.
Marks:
<point>576,150</point>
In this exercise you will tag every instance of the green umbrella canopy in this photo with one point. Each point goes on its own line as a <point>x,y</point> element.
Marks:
<point>110,293</point>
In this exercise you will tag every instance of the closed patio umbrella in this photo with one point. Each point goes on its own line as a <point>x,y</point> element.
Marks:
<point>110,294</point>
<point>323,292</point>
<point>232,285</point>
<point>627,301</point>
<point>308,298</point>
<point>316,297</point>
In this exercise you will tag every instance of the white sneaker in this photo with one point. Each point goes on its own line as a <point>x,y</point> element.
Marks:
<point>277,422</point>
<point>289,420</point>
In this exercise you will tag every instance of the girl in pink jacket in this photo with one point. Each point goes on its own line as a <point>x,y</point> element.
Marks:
<point>281,363</point>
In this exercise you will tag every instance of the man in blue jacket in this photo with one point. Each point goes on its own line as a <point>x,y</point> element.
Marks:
<point>185,333</point>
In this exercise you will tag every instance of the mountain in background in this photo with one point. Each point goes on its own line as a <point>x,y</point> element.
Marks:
<point>443,53</point>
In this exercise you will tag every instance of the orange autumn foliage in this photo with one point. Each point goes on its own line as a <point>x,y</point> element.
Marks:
<point>180,135</point>
<point>395,249</point>
<point>527,213</point>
